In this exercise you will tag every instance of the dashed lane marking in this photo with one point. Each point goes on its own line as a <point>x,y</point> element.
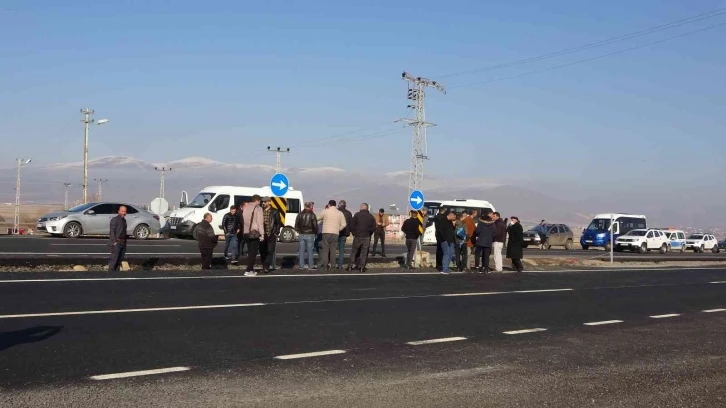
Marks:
<point>139,373</point>
<point>603,322</point>
<point>539,329</point>
<point>309,355</point>
<point>434,341</point>
<point>719,282</point>
<point>714,310</point>
<point>111,311</point>
<point>665,316</point>
<point>506,293</point>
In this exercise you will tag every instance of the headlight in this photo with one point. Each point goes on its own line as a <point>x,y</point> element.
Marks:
<point>60,217</point>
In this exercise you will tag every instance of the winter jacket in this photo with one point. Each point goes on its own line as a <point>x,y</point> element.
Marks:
<point>470,227</point>
<point>363,224</point>
<point>383,219</point>
<point>204,233</point>
<point>117,233</point>
<point>439,219</point>
<point>410,228</point>
<point>306,223</point>
<point>500,231</point>
<point>348,219</point>
<point>333,221</point>
<point>446,231</point>
<point>230,223</point>
<point>275,220</point>
<point>252,219</point>
<point>484,233</point>
<point>516,239</point>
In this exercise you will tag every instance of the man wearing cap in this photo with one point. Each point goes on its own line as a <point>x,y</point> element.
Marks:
<point>272,227</point>
<point>380,233</point>
<point>333,223</point>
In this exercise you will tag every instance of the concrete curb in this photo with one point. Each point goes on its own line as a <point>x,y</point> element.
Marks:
<point>653,259</point>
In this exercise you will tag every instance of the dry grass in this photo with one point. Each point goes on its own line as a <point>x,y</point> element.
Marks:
<point>29,214</point>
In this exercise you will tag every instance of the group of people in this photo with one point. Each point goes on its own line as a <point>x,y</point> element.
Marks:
<point>469,240</point>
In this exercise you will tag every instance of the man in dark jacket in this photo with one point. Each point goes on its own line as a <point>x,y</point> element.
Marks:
<point>484,241</point>
<point>438,220</point>
<point>448,238</point>
<point>500,236</point>
<point>230,226</point>
<point>362,226</point>
<point>306,226</point>
<point>345,233</point>
<point>272,227</point>
<point>117,239</point>
<point>207,239</point>
<point>410,229</point>
<point>514,248</point>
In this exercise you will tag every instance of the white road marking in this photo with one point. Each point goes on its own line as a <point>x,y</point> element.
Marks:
<point>139,373</point>
<point>663,316</point>
<point>112,311</point>
<point>308,355</point>
<point>719,282</point>
<point>603,322</point>
<point>434,341</point>
<point>539,329</point>
<point>713,310</point>
<point>474,294</point>
<point>542,290</point>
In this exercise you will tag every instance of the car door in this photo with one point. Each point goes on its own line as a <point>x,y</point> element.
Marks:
<point>553,235</point>
<point>650,240</point>
<point>132,219</point>
<point>562,235</point>
<point>97,219</point>
<point>218,209</point>
<point>711,241</point>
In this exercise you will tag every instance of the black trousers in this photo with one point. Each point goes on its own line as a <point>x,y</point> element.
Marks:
<point>517,264</point>
<point>253,247</point>
<point>242,243</point>
<point>460,253</point>
<point>359,252</point>
<point>411,245</point>
<point>267,251</point>
<point>118,252</point>
<point>207,255</point>
<point>439,254</point>
<point>380,233</point>
<point>482,254</point>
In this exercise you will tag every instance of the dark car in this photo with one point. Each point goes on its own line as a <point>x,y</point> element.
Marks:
<point>557,235</point>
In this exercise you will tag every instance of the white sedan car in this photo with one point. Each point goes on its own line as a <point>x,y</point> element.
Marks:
<point>642,240</point>
<point>702,242</point>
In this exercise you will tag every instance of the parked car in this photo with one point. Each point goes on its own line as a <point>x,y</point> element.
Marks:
<point>95,218</point>
<point>642,240</point>
<point>722,244</point>
<point>702,242</point>
<point>676,238</point>
<point>557,235</point>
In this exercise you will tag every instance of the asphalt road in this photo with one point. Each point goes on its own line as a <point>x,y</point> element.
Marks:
<point>606,338</point>
<point>46,246</point>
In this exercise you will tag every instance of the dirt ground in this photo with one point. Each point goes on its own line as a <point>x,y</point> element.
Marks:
<point>29,214</point>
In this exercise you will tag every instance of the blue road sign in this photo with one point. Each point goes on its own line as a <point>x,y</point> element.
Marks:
<point>279,184</point>
<point>416,199</point>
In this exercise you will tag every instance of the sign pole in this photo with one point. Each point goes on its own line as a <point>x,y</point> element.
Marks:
<point>612,243</point>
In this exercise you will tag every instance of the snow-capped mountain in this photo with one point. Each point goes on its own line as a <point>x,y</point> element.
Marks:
<point>118,162</point>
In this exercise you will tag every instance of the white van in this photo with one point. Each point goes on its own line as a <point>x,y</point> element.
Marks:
<point>216,200</point>
<point>457,206</point>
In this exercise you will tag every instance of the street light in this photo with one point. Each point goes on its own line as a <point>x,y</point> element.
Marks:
<point>16,224</point>
<point>86,120</point>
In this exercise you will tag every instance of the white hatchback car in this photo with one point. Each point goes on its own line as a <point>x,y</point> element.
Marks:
<point>702,242</point>
<point>642,240</point>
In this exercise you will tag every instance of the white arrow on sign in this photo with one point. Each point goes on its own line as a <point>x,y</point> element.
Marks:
<point>279,184</point>
<point>416,199</point>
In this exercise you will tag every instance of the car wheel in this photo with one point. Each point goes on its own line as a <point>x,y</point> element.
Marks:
<point>702,250</point>
<point>547,244</point>
<point>585,247</point>
<point>643,249</point>
<point>683,248</point>
<point>569,245</point>
<point>663,249</point>
<point>715,249</point>
<point>608,246</point>
<point>142,231</point>
<point>72,230</point>
<point>287,235</point>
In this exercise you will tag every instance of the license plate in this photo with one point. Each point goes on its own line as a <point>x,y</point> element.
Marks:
<point>588,241</point>
<point>173,227</point>
<point>39,226</point>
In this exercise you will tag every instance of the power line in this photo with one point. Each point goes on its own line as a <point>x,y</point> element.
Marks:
<point>589,59</point>
<point>624,37</point>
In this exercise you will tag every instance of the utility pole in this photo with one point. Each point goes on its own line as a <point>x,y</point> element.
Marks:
<point>419,150</point>
<point>65,200</point>
<point>163,170</point>
<point>86,121</point>
<point>278,152</point>
<point>100,190</point>
<point>16,220</point>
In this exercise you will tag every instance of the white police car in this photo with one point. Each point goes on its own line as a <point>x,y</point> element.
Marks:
<point>702,242</point>
<point>642,240</point>
<point>677,239</point>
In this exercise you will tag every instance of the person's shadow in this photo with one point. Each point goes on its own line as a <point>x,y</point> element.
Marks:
<point>29,335</point>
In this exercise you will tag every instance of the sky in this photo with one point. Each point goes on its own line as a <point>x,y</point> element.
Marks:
<point>226,79</point>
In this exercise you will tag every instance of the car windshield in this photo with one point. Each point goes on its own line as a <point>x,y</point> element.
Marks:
<point>599,224</point>
<point>81,208</point>
<point>201,200</point>
<point>696,236</point>
<point>637,233</point>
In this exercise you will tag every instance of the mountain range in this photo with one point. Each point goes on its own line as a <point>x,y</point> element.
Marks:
<point>135,181</point>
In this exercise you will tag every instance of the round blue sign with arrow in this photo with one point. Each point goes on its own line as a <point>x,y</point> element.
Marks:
<point>279,184</point>
<point>416,200</point>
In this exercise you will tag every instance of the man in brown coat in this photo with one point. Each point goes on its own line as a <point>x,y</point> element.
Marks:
<point>470,227</point>
<point>380,233</point>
